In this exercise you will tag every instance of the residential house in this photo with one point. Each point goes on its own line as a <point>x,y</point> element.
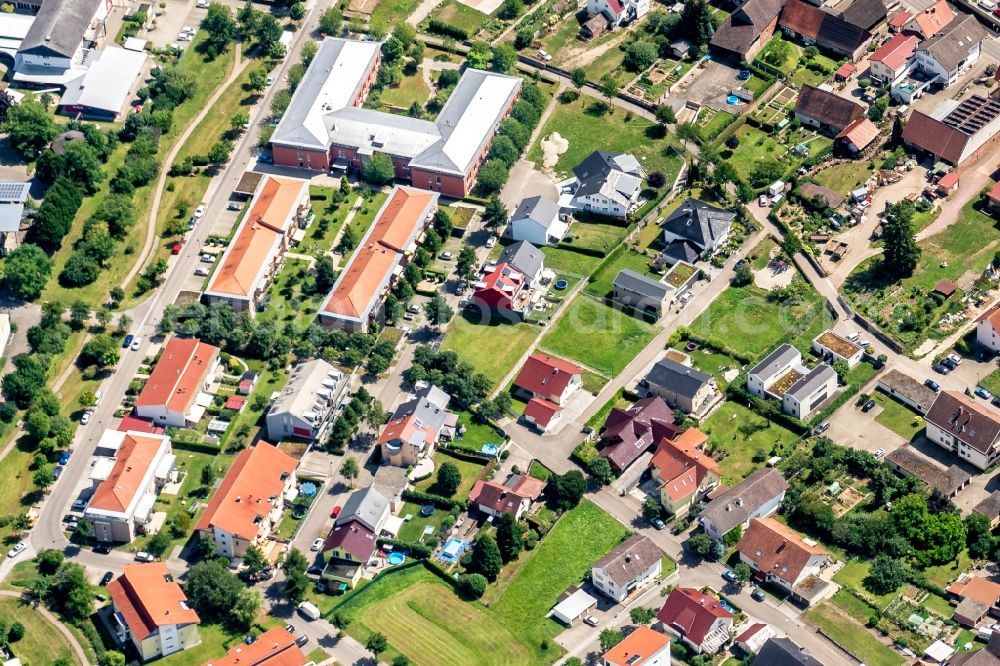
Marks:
<point>909,462</point>
<point>514,497</point>
<point>326,124</point>
<point>62,38</point>
<point>643,295</point>
<point>279,208</point>
<point>757,496</point>
<point>607,184</point>
<point>538,221</point>
<point>696,229</point>
<point>526,259</point>
<point>628,433</point>
<point>869,15</point>
<point>416,427</point>
<point>629,568</point>
<point>782,376</point>
<point>684,472</point>
<point>744,32</point>
<point>150,612</point>
<point>932,20</point>
<point>304,408</point>
<point>274,647</point>
<point>858,135</point>
<point>988,325</point>
<point>390,482</point>
<point>958,132</point>
<point>548,377</point>
<point>502,291</point>
<point>825,29</point>
<point>125,486</point>
<point>356,298</point>
<point>698,619</point>
<point>618,12</point>
<point>907,390</point>
<point>752,640</point>
<point>779,556</point>
<point>977,597</point>
<point>353,539</point>
<point>959,424</point>
<point>642,647</point>
<point>832,347</point>
<point>826,111</point>
<point>681,386</point>
<point>989,508</point>
<point>13,196</point>
<point>891,61</point>
<point>176,393</point>
<point>542,414</point>
<point>784,652</point>
<point>952,50</point>
<point>988,656</point>
<point>250,501</point>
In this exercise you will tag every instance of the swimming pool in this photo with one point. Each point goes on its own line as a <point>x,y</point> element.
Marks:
<point>490,449</point>
<point>453,549</point>
<point>396,558</point>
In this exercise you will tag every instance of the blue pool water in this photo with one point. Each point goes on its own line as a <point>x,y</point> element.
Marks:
<point>490,449</point>
<point>396,558</point>
<point>453,549</point>
<point>732,100</point>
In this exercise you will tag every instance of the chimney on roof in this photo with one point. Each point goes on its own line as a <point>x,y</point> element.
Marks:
<point>237,498</point>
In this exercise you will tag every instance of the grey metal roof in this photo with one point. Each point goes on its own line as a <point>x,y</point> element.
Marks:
<point>784,652</point>
<point>429,405</point>
<point>677,377</point>
<point>815,378</point>
<point>779,358</point>
<point>59,27</point>
<point>680,250</point>
<point>367,506</point>
<point>737,504</point>
<point>106,83</point>
<point>952,44</point>
<point>699,222</point>
<point>523,256</point>
<point>370,131</point>
<point>600,162</point>
<point>537,209</point>
<point>617,176</point>
<point>308,382</point>
<point>635,283</point>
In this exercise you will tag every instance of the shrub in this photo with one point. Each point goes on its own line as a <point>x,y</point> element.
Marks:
<point>473,585</point>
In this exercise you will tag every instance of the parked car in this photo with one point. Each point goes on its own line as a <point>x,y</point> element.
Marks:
<point>200,210</point>
<point>85,419</point>
<point>71,519</point>
<point>128,341</point>
<point>821,428</point>
<point>491,241</point>
<point>57,472</point>
<point>79,505</point>
<point>413,309</point>
<point>18,548</point>
<point>64,457</point>
<point>756,594</point>
<point>879,453</point>
<point>202,4</point>
<point>659,524</point>
<point>983,393</point>
<point>591,621</point>
<point>176,249</point>
<point>868,406</point>
<point>143,556</point>
<point>207,258</point>
<point>270,80</point>
<point>106,578</point>
<point>940,369</point>
<point>335,512</point>
<point>309,611</point>
<point>948,363</point>
<point>301,640</point>
<point>932,385</point>
<point>102,548</point>
<point>544,55</point>
<point>136,343</point>
<point>730,576</point>
<point>201,271</point>
<point>446,256</point>
<point>235,205</point>
<point>317,544</point>
<point>762,201</point>
<point>955,358</point>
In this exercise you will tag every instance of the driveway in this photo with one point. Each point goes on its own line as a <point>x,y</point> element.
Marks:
<point>527,181</point>
<point>710,86</point>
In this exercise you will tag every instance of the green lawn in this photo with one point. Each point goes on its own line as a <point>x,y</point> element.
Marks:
<point>844,178</point>
<point>413,529</point>
<point>609,62</point>
<point>600,416</point>
<point>42,644</point>
<point>598,336</point>
<point>743,320</point>
<point>897,417</point>
<point>389,13</point>
<point>506,344</point>
<point>991,382</point>
<point>852,575</point>
<point>714,125</point>
<point>586,133</point>
<point>215,640</point>
<point>364,217</point>
<point>596,235</point>
<point>791,56</point>
<point>737,435</point>
<point>539,471</point>
<point>855,638</point>
<point>756,145</point>
<point>476,433</point>
<point>456,14</point>
<point>411,89</point>
<point>291,299</point>
<point>603,280</point>
<point>713,362</point>
<point>329,218</point>
<point>569,264</point>
<point>470,472</point>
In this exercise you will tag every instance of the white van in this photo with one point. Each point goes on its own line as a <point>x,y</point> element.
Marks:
<point>98,394</point>
<point>987,5</point>
<point>309,611</point>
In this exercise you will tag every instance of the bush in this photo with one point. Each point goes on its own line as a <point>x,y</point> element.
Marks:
<point>568,96</point>
<point>440,27</point>
<point>473,585</point>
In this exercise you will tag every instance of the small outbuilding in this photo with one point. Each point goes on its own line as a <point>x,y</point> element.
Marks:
<point>573,606</point>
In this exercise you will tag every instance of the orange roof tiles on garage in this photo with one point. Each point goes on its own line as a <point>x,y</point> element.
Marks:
<point>134,457</point>
<point>258,237</point>
<point>637,648</point>
<point>180,371</point>
<point>395,227</point>
<point>275,647</point>
<point>245,492</point>
<point>148,598</point>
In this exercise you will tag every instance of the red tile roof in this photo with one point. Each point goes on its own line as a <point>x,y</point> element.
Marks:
<point>949,180</point>
<point>934,136</point>
<point>860,133</point>
<point>546,375</point>
<point>275,647</point>
<point>994,192</point>
<point>615,6</point>
<point>496,497</point>
<point>992,315</point>
<point>178,375</point>
<point>777,550</point>
<point>148,598</point>
<point>751,632</point>
<point>637,647</point>
<point>845,70</point>
<point>930,21</point>
<point>542,411</point>
<point>257,474</point>
<point>235,402</point>
<point>895,52</point>
<point>945,287</point>
<point>692,613</point>
<point>900,19</point>
<point>802,18</point>
<point>133,460</point>
<point>353,537</point>
<point>500,288</point>
<point>139,425</point>
<point>978,588</point>
<point>681,463</point>
<point>526,486</point>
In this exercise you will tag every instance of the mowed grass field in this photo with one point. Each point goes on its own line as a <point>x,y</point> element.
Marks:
<point>490,349</point>
<point>600,337</point>
<point>42,644</point>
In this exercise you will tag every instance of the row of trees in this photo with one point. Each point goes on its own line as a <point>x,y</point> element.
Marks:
<point>512,139</point>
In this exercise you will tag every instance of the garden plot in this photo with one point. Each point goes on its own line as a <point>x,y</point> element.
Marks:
<point>771,114</point>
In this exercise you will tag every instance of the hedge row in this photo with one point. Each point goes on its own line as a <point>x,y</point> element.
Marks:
<point>416,550</point>
<point>436,500</point>
<point>440,27</point>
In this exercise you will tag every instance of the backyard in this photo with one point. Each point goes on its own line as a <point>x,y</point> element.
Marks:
<point>460,16</point>
<point>412,88</point>
<point>853,637</point>
<point>586,131</point>
<point>598,336</point>
<point>41,644</point>
<point>897,417</point>
<point>596,234</point>
<point>470,472</point>
<point>742,440</point>
<point>844,178</point>
<point>506,342</point>
<point>756,145</point>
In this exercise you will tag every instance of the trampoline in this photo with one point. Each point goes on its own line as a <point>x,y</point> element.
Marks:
<point>453,549</point>
<point>308,489</point>
<point>427,510</point>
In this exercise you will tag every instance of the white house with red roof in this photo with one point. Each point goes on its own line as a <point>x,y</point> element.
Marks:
<point>150,611</point>
<point>892,60</point>
<point>779,556</point>
<point>176,393</point>
<point>618,12</point>
<point>752,639</point>
<point>642,647</point>
<point>684,471</point>
<point>696,618</point>
<point>988,325</point>
<point>514,496</point>
<point>542,414</point>
<point>548,377</point>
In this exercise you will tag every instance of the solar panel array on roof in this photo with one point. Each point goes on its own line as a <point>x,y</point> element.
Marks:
<point>972,114</point>
<point>16,192</point>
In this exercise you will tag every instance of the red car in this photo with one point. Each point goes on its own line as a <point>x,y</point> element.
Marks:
<point>176,249</point>
<point>335,512</point>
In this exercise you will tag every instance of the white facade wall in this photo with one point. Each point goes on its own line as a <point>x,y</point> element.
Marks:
<point>987,336</point>
<point>609,588</point>
<point>948,441</point>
